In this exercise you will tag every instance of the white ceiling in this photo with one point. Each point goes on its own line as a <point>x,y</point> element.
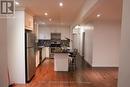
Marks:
<point>109,10</point>
<point>66,14</point>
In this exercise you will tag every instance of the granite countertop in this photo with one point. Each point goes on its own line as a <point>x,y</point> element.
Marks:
<point>41,46</point>
<point>55,43</point>
<point>60,52</point>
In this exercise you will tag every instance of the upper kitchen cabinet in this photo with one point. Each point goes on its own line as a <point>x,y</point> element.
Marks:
<point>28,22</point>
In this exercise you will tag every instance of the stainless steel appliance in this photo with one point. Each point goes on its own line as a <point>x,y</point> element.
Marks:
<point>30,56</point>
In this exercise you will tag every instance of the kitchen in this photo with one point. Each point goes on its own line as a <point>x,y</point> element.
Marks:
<point>42,51</point>
<point>51,41</point>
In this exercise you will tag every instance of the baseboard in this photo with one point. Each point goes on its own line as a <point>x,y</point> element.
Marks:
<point>89,65</point>
<point>41,62</point>
<point>103,67</point>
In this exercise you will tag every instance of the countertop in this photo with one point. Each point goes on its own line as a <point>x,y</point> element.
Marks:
<point>60,52</point>
<point>41,46</point>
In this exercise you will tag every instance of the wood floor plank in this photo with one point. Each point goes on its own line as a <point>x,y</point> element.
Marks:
<point>84,77</point>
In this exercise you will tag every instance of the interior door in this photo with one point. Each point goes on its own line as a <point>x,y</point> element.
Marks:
<point>83,45</point>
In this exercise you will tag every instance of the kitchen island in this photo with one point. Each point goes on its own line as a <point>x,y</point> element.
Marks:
<point>61,61</point>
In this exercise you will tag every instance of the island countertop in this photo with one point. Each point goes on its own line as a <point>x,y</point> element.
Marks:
<point>61,62</point>
<point>60,52</point>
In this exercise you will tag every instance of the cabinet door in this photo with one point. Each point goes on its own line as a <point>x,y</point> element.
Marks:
<point>28,22</point>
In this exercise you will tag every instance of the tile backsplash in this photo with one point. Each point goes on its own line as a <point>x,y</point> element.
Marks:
<point>49,43</point>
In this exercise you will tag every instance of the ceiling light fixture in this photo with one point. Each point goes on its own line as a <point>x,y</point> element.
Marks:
<point>61,4</point>
<point>45,13</point>
<point>17,3</point>
<point>98,15</point>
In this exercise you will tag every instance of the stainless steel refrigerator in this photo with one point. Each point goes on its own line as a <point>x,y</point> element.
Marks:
<point>30,65</point>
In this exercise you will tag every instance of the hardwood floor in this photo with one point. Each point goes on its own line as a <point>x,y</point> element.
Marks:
<point>82,77</point>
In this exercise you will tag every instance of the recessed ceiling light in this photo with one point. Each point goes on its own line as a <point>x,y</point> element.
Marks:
<point>50,19</point>
<point>45,13</point>
<point>98,15</point>
<point>17,3</point>
<point>61,4</point>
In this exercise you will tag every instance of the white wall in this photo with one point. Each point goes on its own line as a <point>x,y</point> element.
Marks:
<point>81,41</point>
<point>124,66</point>
<point>88,48</point>
<point>3,54</point>
<point>106,43</point>
<point>102,43</point>
<point>76,41</point>
<point>16,48</point>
